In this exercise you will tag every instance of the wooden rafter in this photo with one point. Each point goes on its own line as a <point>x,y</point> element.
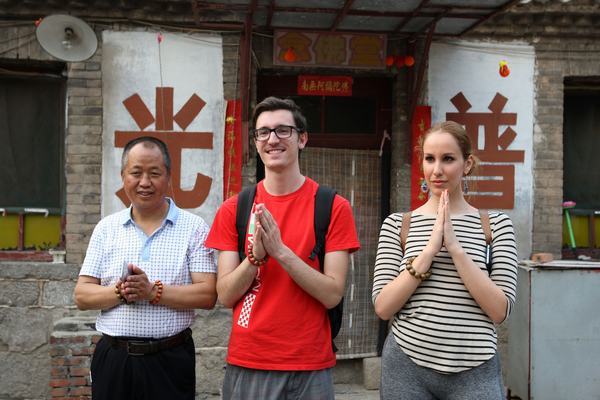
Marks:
<point>245,63</point>
<point>476,12</point>
<point>403,23</point>
<point>414,96</point>
<point>270,12</point>
<point>430,27</point>
<point>340,16</point>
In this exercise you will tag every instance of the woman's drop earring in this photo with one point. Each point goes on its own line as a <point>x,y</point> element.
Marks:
<point>465,186</point>
<point>424,187</point>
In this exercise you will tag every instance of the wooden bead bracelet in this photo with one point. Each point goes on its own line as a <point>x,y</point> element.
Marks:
<point>411,270</point>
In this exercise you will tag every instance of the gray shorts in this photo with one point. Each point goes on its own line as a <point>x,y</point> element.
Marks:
<point>402,379</point>
<point>251,384</point>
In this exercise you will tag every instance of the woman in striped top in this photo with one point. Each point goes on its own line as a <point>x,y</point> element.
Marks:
<point>443,301</point>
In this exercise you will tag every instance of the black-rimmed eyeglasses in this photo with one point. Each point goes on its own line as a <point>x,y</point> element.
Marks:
<point>281,131</point>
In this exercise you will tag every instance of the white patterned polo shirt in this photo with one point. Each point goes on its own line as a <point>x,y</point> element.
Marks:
<point>170,254</point>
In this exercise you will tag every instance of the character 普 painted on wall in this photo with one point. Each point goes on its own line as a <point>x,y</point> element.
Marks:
<point>495,154</point>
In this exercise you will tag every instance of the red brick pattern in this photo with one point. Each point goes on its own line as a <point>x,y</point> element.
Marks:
<point>70,365</point>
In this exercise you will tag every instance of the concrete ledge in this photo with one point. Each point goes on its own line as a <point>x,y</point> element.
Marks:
<point>78,324</point>
<point>38,270</point>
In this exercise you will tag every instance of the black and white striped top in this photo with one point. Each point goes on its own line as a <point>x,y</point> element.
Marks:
<point>441,326</point>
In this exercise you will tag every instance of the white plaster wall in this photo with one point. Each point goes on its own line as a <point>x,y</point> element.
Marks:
<point>190,64</point>
<point>472,67</point>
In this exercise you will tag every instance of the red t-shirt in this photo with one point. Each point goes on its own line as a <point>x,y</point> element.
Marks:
<point>276,324</point>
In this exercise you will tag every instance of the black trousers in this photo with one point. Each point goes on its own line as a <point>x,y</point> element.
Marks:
<point>168,374</point>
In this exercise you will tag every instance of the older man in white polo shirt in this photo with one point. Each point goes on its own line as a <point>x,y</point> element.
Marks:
<point>146,269</point>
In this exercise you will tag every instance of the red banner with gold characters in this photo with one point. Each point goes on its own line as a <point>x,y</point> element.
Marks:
<point>420,123</point>
<point>324,85</point>
<point>232,160</point>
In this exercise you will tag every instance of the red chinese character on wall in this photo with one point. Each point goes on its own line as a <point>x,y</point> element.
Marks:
<point>495,179</point>
<point>175,140</point>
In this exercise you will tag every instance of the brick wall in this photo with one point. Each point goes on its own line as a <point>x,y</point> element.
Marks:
<point>557,59</point>
<point>83,149</point>
<point>71,346</point>
<point>83,138</point>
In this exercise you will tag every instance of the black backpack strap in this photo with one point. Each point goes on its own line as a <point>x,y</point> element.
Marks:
<point>242,215</point>
<point>485,225</point>
<point>323,205</point>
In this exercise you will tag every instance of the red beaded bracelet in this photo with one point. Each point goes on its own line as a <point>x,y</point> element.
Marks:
<point>156,298</point>
<point>253,260</point>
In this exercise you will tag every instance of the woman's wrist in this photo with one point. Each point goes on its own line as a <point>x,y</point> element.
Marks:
<point>421,263</point>
<point>455,249</point>
<point>428,252</point>
<point>417,272</point>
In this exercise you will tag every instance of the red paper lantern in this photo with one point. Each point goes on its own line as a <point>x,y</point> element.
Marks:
<point>504,71</point>
<point>389,61</point>
<point>289,55</point>
<point>409,61</point>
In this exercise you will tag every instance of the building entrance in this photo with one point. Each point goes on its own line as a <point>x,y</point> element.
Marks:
<point>343,151</point>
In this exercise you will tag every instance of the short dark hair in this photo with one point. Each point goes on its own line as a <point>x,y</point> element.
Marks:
<point>148,141</point>
<point>275,103</point>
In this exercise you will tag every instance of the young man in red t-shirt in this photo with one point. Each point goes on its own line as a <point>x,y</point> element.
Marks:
<point>280,344</point>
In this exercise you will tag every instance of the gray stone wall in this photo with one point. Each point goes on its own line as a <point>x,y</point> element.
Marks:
<point>32,297</point>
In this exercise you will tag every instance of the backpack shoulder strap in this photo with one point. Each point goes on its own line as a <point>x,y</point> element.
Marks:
<point>404,229</point>
<point>244,207</point>
<point>485,225</point>
<point>323,205</point>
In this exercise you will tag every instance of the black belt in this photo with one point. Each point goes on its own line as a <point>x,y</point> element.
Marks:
<point>140,347</point>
